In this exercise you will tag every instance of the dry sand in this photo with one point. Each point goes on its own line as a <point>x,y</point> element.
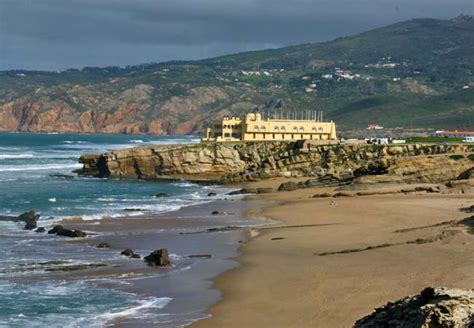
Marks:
<point>286,283</point>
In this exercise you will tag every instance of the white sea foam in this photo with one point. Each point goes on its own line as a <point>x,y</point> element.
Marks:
<point>19,168</point>
<point>16,156</point>
<point>136,141</point>
<point>52,200</point>
<point>156,302</point>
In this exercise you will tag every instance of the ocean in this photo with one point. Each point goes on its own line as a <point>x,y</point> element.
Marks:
<point>36,173</point>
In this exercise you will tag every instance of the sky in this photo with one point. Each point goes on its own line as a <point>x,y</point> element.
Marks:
<point>61,34</point>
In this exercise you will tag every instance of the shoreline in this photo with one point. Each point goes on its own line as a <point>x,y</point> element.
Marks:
<point>176,231</point>
<point>285,280</point>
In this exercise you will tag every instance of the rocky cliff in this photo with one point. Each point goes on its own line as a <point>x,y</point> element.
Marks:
<point>433,307</point>
<point>236,162</point>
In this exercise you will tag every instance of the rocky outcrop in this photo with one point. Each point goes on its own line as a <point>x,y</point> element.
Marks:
<point>29,218</point>
<point>159,257</point>
<point>236,162</point>
<point>432,308</point>
<point>61,231</point>
<point>130,253</point>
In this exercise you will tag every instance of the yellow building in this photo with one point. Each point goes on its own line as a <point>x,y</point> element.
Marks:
<point>256,128</point>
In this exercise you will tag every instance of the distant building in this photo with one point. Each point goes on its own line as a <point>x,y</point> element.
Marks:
<point>374,127</point>
<point>255,128</point>
<point>454,134</point>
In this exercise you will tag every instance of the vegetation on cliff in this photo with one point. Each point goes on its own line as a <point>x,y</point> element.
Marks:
<point>417,73</point>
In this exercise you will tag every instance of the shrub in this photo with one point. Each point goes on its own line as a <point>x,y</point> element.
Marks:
<point>456,157</point>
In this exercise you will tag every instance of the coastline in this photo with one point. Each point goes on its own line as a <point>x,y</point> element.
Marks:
<point>283,281</point>
<point>187,284</point>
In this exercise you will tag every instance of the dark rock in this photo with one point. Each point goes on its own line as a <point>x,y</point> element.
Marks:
<point>469,209</point>
<point>468,174</point>
<point>158,258</point>
<point>203,256</point>
<point>288,186</point>
<point>323,195</point>
<point>216,212</point>
<point>103,245</point>
<point>211,194</point>
<point>29,226</point>
<point>41,229</point>
<point>130,253</point>
<point>243,191</point>
<point>278,238</point>
<point>343,194</point>
<point>162,195</point>
<point>30,218</point>
<point>227,228</point>
<point>133,210</point>
<point>62,176</point>
<point>61,231</point>
<point>235,192</point>
<point>264,190</point>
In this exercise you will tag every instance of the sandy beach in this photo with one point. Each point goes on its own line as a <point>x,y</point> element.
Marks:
<point>326,262</point>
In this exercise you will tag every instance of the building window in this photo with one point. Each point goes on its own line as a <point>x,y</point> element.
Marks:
<point>256,127</point>
<point>314,129</point>
<point>254,136</point>
<point>282,128</point>
<point>295,128</point>
<point>226,135</point>
<point>275,128</point>
<point>274,136</point>
<point>263,127</point>
<point>301,128</point>
<point>302,137</point>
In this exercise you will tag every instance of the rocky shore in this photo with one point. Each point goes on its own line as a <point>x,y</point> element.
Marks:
<point>240,162</point>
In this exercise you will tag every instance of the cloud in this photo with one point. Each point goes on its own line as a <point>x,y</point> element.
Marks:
<point>56,34</point>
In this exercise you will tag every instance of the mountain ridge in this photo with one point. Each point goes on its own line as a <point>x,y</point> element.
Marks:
<point>396,75</point>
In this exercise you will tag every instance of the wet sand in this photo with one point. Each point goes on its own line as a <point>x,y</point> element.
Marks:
<point>330,261</point>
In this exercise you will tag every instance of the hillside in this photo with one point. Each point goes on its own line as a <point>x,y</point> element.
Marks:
<point>418,73</point>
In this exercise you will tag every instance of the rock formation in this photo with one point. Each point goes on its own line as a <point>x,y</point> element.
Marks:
<point>61,231</point>
<point>29,218</point>
<point>159,257</point>
<point>236,162</point>
<point>432,308</point>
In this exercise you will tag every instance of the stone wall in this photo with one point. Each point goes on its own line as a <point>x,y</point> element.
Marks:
<point>236,162</point>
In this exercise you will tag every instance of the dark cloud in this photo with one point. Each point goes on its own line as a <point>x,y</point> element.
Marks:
<point>58,34</point>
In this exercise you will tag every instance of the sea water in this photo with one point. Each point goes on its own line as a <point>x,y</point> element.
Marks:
<point>31,166</point>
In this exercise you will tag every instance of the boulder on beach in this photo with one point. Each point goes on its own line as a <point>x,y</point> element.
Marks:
<point>61,231</point>
<point>162,195</point>
<point>288,186</point>
<point>41,229</point>
<point>130,253</point>
<point>433,307</point>
<point>211,194</point>
<point>103,245</point>
<point>216,212</point>
<point>159,257</point>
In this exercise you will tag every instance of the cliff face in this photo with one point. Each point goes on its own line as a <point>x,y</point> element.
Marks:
<point>135,110</point>
<point>249,161</point>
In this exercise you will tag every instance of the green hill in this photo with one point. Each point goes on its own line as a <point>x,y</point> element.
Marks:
<point>418,73</point>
